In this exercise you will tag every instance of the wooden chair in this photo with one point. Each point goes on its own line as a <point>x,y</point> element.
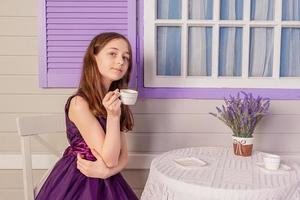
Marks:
<point>34,126</point>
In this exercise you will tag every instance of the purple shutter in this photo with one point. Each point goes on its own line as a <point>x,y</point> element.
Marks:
<point>68,26</point>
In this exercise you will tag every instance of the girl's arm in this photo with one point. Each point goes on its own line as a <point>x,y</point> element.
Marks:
<point>123,157</point>
<point>108,145</point>
<point>98,169</point>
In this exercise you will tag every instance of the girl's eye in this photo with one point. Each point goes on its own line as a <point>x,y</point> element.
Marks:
<point>125,58</point>
<point>113,54</point>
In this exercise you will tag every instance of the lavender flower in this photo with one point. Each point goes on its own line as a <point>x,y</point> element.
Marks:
<point>242,114</point>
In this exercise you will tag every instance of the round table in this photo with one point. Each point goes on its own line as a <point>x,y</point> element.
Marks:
<point>226,176</point>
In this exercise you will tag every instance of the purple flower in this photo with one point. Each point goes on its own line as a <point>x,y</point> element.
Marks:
<point>242,114</point>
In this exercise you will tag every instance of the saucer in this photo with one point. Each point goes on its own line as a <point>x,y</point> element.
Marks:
<point>190,162</point>
<point>282,168</point>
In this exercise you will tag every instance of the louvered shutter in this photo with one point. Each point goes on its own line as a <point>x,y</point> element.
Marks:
<point>67,26</point>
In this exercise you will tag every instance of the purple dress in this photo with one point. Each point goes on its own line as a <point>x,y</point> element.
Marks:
<point>66,182</point>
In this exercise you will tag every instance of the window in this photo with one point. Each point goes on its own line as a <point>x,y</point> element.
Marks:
<point>66,29</point>
<point>222,44</point>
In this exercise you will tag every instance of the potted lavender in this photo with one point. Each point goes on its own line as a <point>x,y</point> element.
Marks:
<point>242,115</point>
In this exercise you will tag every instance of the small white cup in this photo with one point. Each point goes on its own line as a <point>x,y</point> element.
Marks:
<point>271,161</point>
<point>128,96</point>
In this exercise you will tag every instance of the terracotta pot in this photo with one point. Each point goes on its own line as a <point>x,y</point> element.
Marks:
<point>242,146</point>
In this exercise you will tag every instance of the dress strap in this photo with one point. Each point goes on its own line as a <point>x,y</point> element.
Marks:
<point>68,103</point>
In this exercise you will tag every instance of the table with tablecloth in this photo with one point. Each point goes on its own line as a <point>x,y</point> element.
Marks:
<point>226,176</point>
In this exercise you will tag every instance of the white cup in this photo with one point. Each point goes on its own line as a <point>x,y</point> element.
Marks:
<point>128,96</point>
<point>271,161</point>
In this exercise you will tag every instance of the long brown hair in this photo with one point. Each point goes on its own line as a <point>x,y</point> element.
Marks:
<point>90,87</point>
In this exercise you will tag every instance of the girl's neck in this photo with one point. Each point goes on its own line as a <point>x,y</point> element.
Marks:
<point>106,83</point>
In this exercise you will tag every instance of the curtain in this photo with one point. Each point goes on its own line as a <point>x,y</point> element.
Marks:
<point>200,39</point>
<point>261,40</point>
<point>291,10</point>
<point>290,56</point>
<point>168,39</point>
<point>262,9</point>
<point>261,52</point>
<point>290,40</point>
<point>230,52</point>
<point>199,52</point>
<point>169,9</point>
<point>200,9</point>
<point>231,9</point>
<point>230,41</point>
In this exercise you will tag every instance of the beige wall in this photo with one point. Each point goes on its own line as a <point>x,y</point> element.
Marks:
<point>161,125</point>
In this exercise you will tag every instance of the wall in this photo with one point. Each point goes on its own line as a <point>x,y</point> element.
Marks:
<point>161,125</point>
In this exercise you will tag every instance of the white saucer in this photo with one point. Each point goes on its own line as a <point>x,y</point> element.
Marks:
<point>282,168</point>
<point>190,162</point>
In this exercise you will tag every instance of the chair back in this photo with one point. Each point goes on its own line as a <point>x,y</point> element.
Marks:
<point>33,127</point>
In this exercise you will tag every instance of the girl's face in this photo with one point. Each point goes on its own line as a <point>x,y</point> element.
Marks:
<point>113,61</point>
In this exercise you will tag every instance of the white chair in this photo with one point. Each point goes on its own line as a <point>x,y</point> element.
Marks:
<point>34,126</point>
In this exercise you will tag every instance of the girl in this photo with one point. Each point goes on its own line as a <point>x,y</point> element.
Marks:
<point>96,121</point>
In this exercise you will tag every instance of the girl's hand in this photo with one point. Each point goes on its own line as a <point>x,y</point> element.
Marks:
<point>112,103</point>
<point>93,169</point>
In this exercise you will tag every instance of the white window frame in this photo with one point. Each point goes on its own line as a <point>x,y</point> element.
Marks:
<point>214,81</point>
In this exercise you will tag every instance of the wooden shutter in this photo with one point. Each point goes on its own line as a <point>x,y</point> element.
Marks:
<point>67,26</point>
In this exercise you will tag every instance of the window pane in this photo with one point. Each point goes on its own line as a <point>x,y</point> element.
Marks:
<point>291,10</point>
<point>290,48</point>
<point>200,9</point>
<point>231,9</point>
<point>199,51</point>
<point>168,51</point>
<point>262,9</point>
<point>230,52</point>
<point>261,52</point>
<point>168,9</point>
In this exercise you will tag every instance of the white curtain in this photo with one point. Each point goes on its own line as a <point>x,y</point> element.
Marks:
<point>169,39</point>
<point>169,51</point>
<point>200,9</point>
<point>231,9</point>
<point>261,52</point>
<point>230,44</point>
<point>230,50</point>
<point>262,9</point>
<point>290,44</point>
<point>230,53</point>
<point>200,39</point>
<point>199,62</point>
<point>291,10</point>
<point>162,51</point>
<point>261,40</point>
<point>290,57</point>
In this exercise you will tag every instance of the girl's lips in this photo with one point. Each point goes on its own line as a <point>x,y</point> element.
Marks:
<point>119,70</point>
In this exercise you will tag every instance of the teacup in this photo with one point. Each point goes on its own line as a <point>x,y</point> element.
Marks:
<point>271,161</point>
<point>128,96</point>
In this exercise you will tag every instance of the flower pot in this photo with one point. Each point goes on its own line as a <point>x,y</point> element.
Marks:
<point>242,146</point>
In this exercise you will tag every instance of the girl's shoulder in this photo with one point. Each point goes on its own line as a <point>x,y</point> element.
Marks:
<point>78,104</point>
<point>79,109</point>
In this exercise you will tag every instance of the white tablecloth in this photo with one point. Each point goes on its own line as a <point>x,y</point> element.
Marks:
<point>226,177</point>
